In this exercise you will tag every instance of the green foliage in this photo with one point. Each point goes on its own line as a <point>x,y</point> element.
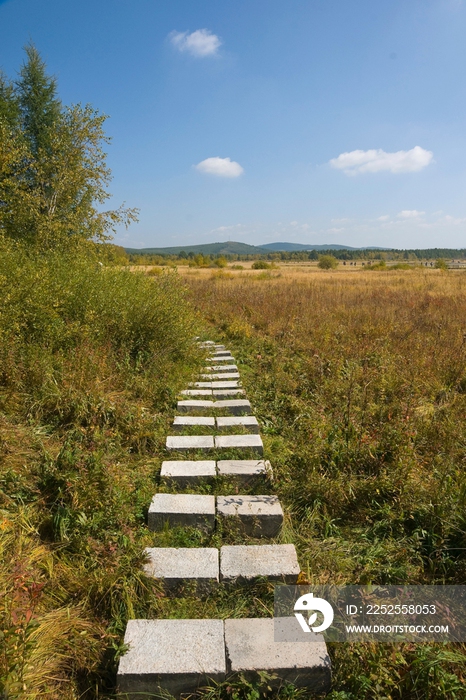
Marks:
<point>327,262</point>
<point>53,174</point>
<point>261,265</point>
<point>441,264</point>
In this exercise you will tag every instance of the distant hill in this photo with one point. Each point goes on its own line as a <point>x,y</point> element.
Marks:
<point>291,247</point>
<point>226,248</point>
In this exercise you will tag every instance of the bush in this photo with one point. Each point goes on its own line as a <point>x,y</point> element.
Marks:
<point>327,262</point>
<point>261,265</point>
<point>441,264</point>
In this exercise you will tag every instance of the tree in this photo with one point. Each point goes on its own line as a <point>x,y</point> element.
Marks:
<point>54,178</point>
<point>327,262</point>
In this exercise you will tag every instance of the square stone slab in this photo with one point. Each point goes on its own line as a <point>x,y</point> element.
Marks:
<point>198,566</point>
<point>189,406</point>
<point>196,392</point>
<point>221,353</point>
<point>182,422</point>
<point>251,648</point>
<point>256,516</point>
<point>250,442</point>
<point>176,656</point>
<point>245,472</point>
<point>277,562</point>
<point>183,473</point>
<point>248,422</point>
<point>184,443</point>
<point>221,368</point>
<point>227,393</point>
<point>190,510</point>
<point>220,375</point>
<point>224,358</point>
<point>238,407</point>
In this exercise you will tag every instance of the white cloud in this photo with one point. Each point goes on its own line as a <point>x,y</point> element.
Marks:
<point>376,160</point>
<point>221,167</point>
<point>199,43</point>
<point>385,217</point>
<point>410,214</point>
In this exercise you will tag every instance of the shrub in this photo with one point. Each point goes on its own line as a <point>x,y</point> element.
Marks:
<point>327,262</point>
<point>261,265</point>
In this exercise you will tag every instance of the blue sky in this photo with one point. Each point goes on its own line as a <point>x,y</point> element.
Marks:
<point>313,121</point>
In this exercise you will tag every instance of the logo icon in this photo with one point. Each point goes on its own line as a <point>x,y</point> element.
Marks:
<point>310,605</point>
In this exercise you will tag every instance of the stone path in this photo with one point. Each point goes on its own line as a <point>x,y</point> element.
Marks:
<point>179,656</point>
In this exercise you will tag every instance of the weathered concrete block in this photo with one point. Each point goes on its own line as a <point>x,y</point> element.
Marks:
<point>176,656</point>
<point>248,422</point>
<point>226,385</point>
<point>182,422</point>
<point>193,405</point>
<point>221,368</point>
<point>190,510</point>
<point>195,567</point>
<point>223,358</point>
<point>250,442</point>
<point>184,443</point>
<point>219,347</point>
<point>256,516</point>
<point>277,562</point>
<point>196,392</point>
<point>221,353</point>
<point>245,472</point>
<point>227,393</point>
<point>183,473</point>
<point>206,343</point>
<point>220,376</point>
<point>250,648</point>
<point>201,385</point>
<point>238,407</point>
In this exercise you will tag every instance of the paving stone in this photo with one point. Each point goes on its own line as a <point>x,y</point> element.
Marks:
<point>215,385</point>
<point>190,406</point>
<point>224,358</point>
<point>201,385</point>
<point>176,656</point>
<point>182,443</point>
<point>206,343</point>
<point>182,422</point>
<point>277,562</point>
<point>244,472</point>
<point>221,368</point>
<point>183,473</point>
<point>227,393</point>
<point>196,392</point>
<point>248,422</point>
<point>237,407</point>
<point>191,510</point>
<point>197,567</point>
<point>251,648</point>
<point>221,353</point>
<point>250,442</point>
<point>256,516</point>
<point>219,347</point>
<point>227,376</point>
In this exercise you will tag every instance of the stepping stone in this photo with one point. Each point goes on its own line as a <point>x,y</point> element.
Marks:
<point>237,407</point>
<point>248,422</point>
<point>221,375</point>
<point>221,368</point>
<point>224,358</point>
<point>182,422</point>
<point>227,393</point>
<point>256,516</point>
<point>219,347</point>
<point>244,472</point>
<point>174,656</point>
<point>196,392</point>
<point>183,473</point>
<point>206,343</point>
<point>221,353</point>
<point>197,566</point>
<point>277,562</point>
<point>251,648</point>
<point>215,385</point>
<point>250,442</point>
<point>189,406</point>
<point>190,510</point>
<point>183,443</point>
<point>201,385</point>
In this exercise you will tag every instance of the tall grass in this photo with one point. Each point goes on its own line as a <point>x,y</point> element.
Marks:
<point>91,360</point>
<point>360,384</point>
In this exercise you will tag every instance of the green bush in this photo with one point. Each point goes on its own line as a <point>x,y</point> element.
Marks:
<point>261,265</point>
<point>327,262</point>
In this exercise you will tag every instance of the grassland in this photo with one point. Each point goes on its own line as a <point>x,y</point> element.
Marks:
<point>359,382</point>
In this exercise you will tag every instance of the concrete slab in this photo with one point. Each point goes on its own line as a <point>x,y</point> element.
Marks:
<point>221,368</point>
<point>185,473</point>
<point>182,422</point>
<point>227,393</point>
<point>256,516</point>
<point>175,656</point>
<point>223,358</point>
<point>190,510</point>
<point>245,472</point>
<point>277,562</point>
<point>219,347</point>
<point>197,567</point>
<point>221,353</point>
<point>184,443</point>
<point>216,385</point>
<point>220,376</point>
<point>248,422</point>
<point>206,343</point>
<point>193,405</point>
<point>250,648</point>
<point>196,392</point>
<point>250,442</point>
<point>238,407</point>
<point>201,385</point>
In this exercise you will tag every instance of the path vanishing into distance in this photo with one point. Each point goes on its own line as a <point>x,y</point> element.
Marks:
<point>180,656</point>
